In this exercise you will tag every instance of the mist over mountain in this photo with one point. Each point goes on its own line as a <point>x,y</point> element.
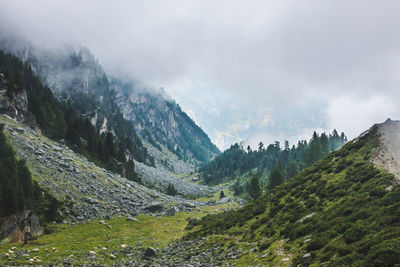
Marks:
<point>178,133</point>
<point>241,63</point>
<point>74,74</point>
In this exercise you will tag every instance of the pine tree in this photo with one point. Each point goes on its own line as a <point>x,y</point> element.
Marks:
<point>276,177</point>
<point>254,187</point>
<point>237,189</point>
<point>130,173</point>
<point>260,147</point>
<point>171,190</point>
<point>292,169</point>
<point>325,146</point>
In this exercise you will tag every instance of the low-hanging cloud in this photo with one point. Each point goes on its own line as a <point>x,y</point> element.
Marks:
<point>274,54</point>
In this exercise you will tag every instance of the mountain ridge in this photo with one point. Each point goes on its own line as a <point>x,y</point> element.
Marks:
<point>75,75</point>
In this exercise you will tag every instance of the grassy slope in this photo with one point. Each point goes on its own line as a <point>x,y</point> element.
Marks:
<point>338,211</point>
<point>72,243</point>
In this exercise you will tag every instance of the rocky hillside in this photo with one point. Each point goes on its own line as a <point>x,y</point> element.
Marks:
<point>14,104</point>
<point>341,211</point>
<point>160,120</point>
<point>388,154</point>
<point>75,75</point>
<point>89,191</point>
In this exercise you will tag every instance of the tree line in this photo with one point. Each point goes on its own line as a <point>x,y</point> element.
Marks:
<point>270,166</point>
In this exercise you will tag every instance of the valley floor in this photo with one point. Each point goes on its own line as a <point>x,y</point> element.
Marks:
<point>115,241</point>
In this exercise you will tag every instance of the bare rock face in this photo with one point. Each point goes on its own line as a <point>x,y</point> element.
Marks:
<point>15,105</point>
<point>387,155</point>
<point>17,228</point>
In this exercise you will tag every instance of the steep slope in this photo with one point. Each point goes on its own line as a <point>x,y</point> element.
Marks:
<point>88,191</point>
<point>342,211</point>
<point>160,120</point>
<point>76,75</point>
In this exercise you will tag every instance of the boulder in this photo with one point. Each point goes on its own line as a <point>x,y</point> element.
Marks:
<point>150,252</point>
<point>19,227</point>
<point>225,200</point>
<point>155,206</point>
<point>172,211</point>
<point>39,152</point>
<point>189,205</point>
<point>19,130</point>
<point>129,218</point>
<point>56,148</point>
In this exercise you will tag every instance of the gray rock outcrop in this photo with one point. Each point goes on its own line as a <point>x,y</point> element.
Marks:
<point>19,227</point>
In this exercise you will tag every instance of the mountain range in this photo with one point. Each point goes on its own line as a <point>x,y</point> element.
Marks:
<point>74,74</point>
<point>97,170</point>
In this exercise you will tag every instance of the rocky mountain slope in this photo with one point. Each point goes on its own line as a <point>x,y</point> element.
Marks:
<point>160,120</point>
<point>90,191</point>
<point>76,75</point>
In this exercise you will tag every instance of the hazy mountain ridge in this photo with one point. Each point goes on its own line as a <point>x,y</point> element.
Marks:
<point>160,119</point>
<point>75,75</point>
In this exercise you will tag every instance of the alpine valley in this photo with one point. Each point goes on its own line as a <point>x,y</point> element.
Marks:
<point>99,170</point>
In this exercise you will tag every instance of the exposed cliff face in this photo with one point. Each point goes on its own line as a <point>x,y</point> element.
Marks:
<point>387,155</point>
<point>13,103</point>
<point>19,227</point>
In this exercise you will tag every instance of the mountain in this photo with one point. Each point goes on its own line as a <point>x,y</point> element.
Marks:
<point>24,97</point>
<point>115,105</point>
<point>341,211</point>
<point>160,120</point>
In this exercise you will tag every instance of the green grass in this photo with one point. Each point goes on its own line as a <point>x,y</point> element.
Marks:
<point>78,240</point>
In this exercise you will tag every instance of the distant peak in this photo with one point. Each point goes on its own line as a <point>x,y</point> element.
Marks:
<point>388,122</point>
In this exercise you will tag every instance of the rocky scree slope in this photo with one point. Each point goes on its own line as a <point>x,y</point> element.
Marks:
<point>88,190</point>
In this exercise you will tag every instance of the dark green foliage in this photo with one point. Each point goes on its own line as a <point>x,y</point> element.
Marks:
<point>17,192</point>
<point>171,190</point>
<point>339,203</point>
<point>130,173</point>
<point>15,183</point>
<point>254,187</point>
<point>236,163</point>
<point>60,120</point>
<point>276,177</point>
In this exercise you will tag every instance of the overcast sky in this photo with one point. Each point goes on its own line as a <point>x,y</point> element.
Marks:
<point>254,70</point>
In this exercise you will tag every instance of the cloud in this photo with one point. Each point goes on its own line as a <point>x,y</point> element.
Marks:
<point>255,55</point>
<point>358,114</point>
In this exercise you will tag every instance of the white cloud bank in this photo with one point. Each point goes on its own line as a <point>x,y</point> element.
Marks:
<point>314,63</point>
<point>358,114</point>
